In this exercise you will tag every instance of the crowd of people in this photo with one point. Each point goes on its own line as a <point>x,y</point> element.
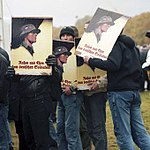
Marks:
<point>31,101</point>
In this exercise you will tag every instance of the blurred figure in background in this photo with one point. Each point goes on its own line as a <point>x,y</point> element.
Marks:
<point>145,85</point>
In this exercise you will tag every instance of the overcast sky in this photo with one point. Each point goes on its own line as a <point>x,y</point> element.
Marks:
<point>66,12</point>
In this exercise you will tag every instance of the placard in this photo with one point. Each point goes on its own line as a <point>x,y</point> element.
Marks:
<point>22,59</point>
<point>101,34</point>
<point>97,42</point>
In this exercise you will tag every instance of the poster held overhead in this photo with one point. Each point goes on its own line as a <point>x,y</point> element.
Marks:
<point>101,34</point>
<point>97,42</point>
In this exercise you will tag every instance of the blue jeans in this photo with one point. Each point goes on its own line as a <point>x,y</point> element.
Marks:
<point>95,107</point>
<point>69,122</point>
<point>127,118</point>
<point>5,134</point>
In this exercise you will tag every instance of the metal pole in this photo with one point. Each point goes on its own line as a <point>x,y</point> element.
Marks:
<point>1,24</point>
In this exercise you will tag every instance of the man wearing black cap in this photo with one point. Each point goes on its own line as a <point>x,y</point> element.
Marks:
<point>36,96</point>
<point>67,33</point>
<point>69,109</point>
<point>123,93</point>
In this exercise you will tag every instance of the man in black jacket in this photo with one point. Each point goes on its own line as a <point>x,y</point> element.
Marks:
<point>36,99</point>
<point>5,135</point>
<point>124,74</point>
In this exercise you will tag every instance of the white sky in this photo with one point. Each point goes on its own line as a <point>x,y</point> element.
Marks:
<point>66,12</point>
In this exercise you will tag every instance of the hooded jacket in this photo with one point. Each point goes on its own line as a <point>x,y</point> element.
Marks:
<point>123,66</point>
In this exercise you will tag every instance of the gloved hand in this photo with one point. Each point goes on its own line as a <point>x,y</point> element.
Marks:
<point>51,60</point>
<point>10,72</point>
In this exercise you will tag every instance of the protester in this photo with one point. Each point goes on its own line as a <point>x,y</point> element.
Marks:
<point>95,107</point>
<point>124,73</point>
<point>5,134</point>
<point>85,138</point>
<point>35,96</point>
<point>15,112</point>
<point>69,109</point>
<point>61,50</point>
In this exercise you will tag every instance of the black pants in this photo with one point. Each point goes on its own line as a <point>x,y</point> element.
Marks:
<point>19,131</point>
<point>85,138</point>
<point>95,107</point>
<point>35,122</point>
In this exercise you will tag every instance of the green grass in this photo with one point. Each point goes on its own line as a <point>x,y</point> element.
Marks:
<point>145,107</point>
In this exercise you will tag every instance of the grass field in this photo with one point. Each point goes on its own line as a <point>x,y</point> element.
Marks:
<point>111,138</point>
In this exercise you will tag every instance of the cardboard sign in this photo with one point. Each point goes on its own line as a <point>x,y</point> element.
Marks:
<point>70,70</point>
<point>86,74</point>
<point>24,42</point>
<point>101,34</point>
<point>97,42</point>
<point>69,66</point>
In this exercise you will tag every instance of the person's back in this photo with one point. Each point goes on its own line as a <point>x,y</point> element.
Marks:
<point>125,75</point>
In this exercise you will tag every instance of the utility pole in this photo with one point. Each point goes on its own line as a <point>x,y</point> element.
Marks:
<point>5,25</point>
<point>1,24</point>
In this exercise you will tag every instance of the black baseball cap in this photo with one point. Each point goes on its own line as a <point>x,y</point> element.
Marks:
<point>67,30</point>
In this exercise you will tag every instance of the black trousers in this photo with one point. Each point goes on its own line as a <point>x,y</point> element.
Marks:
<point>19,131</point>
<point>85,137</point>
<point>95,108</point>
<point>36,111</point>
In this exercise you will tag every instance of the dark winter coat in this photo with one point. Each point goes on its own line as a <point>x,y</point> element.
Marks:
<point>123,66</point>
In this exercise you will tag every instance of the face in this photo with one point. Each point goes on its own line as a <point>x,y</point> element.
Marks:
<point>105,27</point>
<point>31,37</point>
<point>67,37</point>
<point>63,58</point>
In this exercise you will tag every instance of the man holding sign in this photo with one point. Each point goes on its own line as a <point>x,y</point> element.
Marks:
<point>124,74</point>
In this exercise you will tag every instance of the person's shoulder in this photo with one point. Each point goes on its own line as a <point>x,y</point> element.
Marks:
<point>127,41</point>
<point>4,53</point>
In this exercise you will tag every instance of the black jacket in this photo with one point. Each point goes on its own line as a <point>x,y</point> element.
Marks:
<point>56,79</point>
<point>33,86</point>
<point>15,108</point>
<point>4,83</point>
<point>123,65</point>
